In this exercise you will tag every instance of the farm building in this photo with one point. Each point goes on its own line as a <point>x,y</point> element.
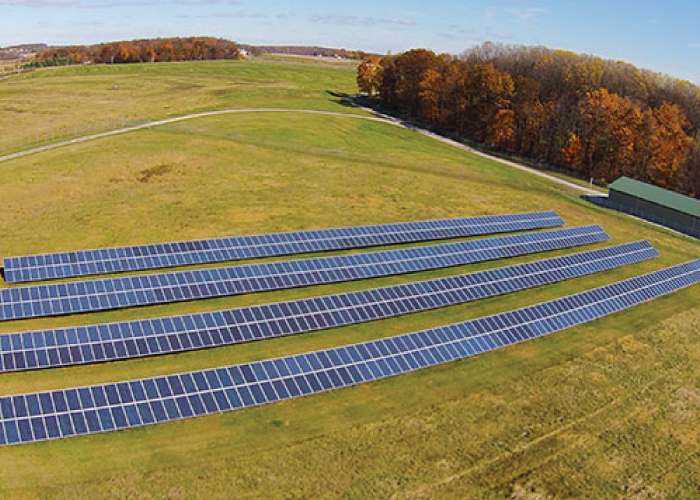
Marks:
<point>656,204</point>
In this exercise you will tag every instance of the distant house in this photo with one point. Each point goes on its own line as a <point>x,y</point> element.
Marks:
<point>656,204</point>
<point>243,52</point>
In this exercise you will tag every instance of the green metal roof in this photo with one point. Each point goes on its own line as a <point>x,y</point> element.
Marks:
<point>660,196</point>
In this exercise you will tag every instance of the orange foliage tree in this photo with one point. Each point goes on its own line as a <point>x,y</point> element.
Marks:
<point>668,144</point>
<point>502,132</point>
<point>609,127</point>
<point>149,50</point>
<point>572,153</point>
<point>594,117</point>
<point>369,75</point>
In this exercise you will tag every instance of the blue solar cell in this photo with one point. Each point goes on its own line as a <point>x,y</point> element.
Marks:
<point>142,257</point>
<point>273,320</point>
<point>139,290</point>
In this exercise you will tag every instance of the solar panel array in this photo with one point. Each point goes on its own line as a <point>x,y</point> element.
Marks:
<point>129,291</point>
<point>141,257</point>
<point>101,408</point>
<point>108,342</point>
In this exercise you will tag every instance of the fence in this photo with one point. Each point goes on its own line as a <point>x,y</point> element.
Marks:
<point>31,140</point>
<point>15,144</point>
<point>12,68</point>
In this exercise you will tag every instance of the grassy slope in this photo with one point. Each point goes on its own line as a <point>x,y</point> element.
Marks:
<point>57,102</point>
<point>594,412</point>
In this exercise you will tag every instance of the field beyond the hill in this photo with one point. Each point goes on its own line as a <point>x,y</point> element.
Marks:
<point>606,410</point>
<point>47,105</point>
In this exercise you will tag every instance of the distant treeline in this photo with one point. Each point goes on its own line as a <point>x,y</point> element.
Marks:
<point>172,49</point>
<point>136,51</point>
<point>594,117</point>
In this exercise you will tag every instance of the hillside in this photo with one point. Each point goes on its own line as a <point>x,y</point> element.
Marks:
<point>85,99</point>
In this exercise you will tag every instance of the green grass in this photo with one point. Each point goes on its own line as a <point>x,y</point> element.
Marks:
<point>606,410</point>
<point>55,103</point>
<point>578,181</point>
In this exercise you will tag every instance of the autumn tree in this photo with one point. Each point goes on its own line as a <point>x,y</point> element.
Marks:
<point>411,68</point>
<point>502,131</point>
<point>572,153</point>
<point>369,75</point>
<point>430,96</point>
<point>592,116</point>
<point>150,50</point>
<point>609,128</point>
<point>487,92</point>
<point>668,144</point>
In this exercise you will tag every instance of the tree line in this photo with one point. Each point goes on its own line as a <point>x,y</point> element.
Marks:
<point>140,51</point>
<point>592,117</point>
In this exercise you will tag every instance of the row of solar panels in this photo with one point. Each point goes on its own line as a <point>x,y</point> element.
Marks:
<point>131,339</point>
<point>69,412</point>
<point>143,257</point>
<point>131,291</point>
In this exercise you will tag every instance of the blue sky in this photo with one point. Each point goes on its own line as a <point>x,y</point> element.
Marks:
<point>655,34</point>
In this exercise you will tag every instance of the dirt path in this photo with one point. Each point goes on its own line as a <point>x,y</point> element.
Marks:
<point>378,117</point>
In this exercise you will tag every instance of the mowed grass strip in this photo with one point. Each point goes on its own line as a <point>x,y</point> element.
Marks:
<point>259,173</point>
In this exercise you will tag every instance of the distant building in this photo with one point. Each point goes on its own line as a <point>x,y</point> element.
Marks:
<point>656,204</point>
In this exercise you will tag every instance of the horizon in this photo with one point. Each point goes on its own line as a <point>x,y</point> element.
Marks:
<point>349,49</point>
<point>658,38</point>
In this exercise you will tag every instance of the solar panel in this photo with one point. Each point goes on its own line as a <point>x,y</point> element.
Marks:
<point>129,291</point>
<point>100,408</point>
<point>149,337</point>
<point>142,257</point>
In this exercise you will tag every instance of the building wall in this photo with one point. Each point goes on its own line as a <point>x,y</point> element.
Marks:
<point>655,213</point>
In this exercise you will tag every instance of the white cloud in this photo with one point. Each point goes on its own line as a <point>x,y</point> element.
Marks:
<point>398,21</point>
<point>525,15</point>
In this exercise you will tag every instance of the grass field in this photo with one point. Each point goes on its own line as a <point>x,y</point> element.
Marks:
<point>63,102</point>
<point>608,410</point>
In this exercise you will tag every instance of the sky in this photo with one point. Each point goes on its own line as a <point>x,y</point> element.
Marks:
<point>655,34</point>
